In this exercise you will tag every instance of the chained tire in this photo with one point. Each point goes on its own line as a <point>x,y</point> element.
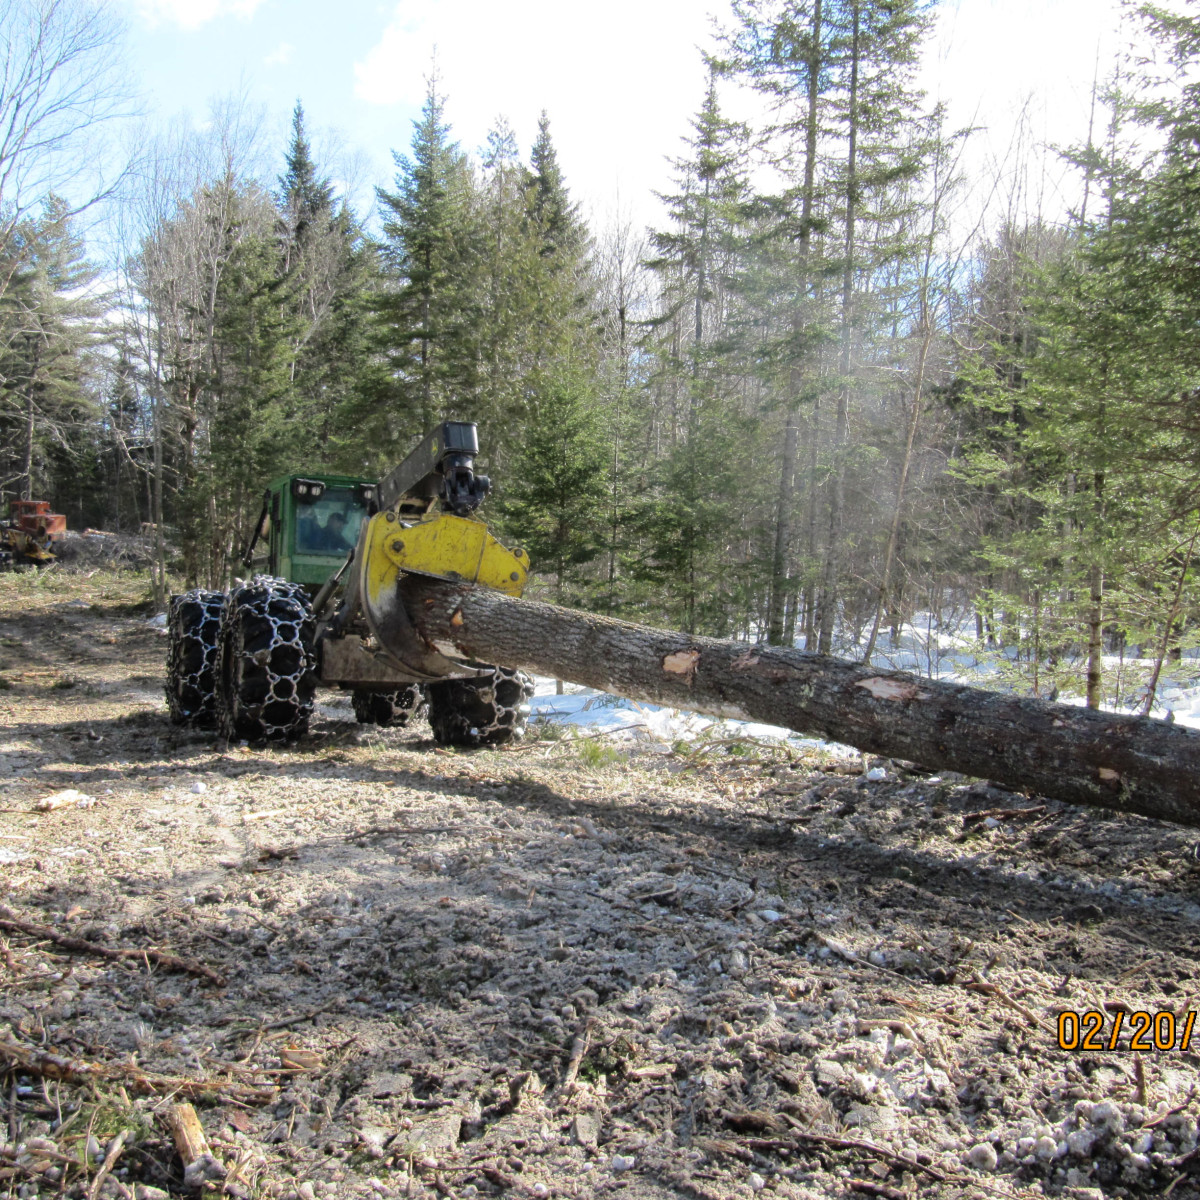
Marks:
<point>193,629</point>
<point>395,708</point>
<point>489,710</point>
<point>266,662</point>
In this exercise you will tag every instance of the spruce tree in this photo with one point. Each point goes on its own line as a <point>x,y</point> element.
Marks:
<point>329,274</point>
<point>305,199</point>
<point>561,230</point>
<point>511,302</point>
<point>554,502</point>
<point>50,324</point>
<point>842,129</point>
<point>1105,447</point>
<point>427,316</point>
<point>690,526</point>
<point>535,326</point>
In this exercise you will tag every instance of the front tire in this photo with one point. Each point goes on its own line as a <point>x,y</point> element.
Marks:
<point>193,629</point>
<point>490,710</point>
<point>395,708</point>
<point>266,662</point>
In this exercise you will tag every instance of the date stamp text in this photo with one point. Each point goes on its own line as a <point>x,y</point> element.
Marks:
<point>1125,1030</point>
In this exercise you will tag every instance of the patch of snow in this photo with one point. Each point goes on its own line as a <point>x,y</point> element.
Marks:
<point>629,721</point>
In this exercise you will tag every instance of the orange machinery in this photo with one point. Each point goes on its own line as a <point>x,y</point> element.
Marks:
<point>30,531</point>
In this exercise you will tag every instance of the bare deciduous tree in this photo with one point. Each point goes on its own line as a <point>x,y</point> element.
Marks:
<point>60,81</point>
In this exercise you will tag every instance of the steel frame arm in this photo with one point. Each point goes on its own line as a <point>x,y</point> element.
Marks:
<point>441,468</point>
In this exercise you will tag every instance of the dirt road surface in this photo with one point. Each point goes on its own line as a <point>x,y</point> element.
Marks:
<point>377,968</point>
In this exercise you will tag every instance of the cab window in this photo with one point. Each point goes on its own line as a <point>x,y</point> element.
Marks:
<point>329,525</point>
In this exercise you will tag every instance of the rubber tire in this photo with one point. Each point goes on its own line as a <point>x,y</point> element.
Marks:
<point>193,630</point>
<point>395,708</point>
<point>490,710</point>
<point>266,662</point>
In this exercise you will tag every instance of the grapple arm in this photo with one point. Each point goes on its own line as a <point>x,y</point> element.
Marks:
<point>441,468</point>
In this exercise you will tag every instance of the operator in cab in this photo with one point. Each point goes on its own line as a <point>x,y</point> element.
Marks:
<point>331,536</point>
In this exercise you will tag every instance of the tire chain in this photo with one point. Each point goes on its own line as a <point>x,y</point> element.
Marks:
<point>484,712</point>
<point>277,682</point>
<point>193,630</point>
<point>395,708</point>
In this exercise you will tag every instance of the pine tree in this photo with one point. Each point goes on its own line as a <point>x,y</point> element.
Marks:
<point>786,52</point>
<point>305,199</point>
<point>428,316</point>
<point>510,302</point>
<point>534,325</point>
<point>330,274</point>
<point>50,326</point>
<point>555,501</point>
<point>1107,442</point>
<point>564,281</point>
<point>561,230</point>
<point>691,527</point>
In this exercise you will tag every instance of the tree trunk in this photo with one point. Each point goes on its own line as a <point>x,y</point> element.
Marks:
<point>27,449</point>
<point>1095,624</point>
<point>780,583</point>
<point>830,578</point>
<point>1128,764</point>
<point>1168,625</point>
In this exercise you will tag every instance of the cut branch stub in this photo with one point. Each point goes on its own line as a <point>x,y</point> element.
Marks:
<point>1128,764</point>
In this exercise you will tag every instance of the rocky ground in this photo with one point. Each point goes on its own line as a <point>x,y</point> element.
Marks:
<point>377,968</point>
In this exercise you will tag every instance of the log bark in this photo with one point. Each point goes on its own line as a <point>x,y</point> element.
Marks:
<point>1122,763</point>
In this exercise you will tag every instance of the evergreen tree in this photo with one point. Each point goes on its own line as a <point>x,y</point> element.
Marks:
<point>691,527</point>
<point>560,228</point>
<point>564,326</point>
<point>839,75</point>
<point>534,325</point>
<point>50,329</point>
<point>428,315</point>
<point>555,501</point>
<point>305,199</point>
<point>510,302</point>
<point>1107,445</point>
<point>330,275</point>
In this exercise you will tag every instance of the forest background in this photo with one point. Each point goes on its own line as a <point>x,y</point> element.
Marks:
<point>843,382</point>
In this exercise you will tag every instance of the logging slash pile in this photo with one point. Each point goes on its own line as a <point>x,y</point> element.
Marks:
<point>364,967</point>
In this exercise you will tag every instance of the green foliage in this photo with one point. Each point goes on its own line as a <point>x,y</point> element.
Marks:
<point>1084,402</point>
<point>427,316</point>
<point>594,754</point>
<point>554,499</point>
<point>329,279</point>
<point>739,427</point>
<point>50,333</point>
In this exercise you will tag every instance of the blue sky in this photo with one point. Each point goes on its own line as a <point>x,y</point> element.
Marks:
<point>620,80</point>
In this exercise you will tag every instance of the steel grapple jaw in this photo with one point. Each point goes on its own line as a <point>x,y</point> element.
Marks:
<point>462,490</point>
<point>425,526</point>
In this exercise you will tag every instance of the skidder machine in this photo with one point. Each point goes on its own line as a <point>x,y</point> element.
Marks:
<point>329,608</point>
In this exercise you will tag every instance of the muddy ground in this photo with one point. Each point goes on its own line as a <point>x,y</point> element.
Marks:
<point>556,971</point>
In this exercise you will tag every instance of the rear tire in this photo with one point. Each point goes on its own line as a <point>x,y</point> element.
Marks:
<point>490,710</point>
<point>395,708</point>
<point>193,627</point>
<point>266,663</point>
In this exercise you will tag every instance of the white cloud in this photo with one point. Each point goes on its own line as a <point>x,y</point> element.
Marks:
<point>622,81</point>
<point>619,82</point>
<point>280,56</point>
<point>1024,96</point>
<point>191,14</point>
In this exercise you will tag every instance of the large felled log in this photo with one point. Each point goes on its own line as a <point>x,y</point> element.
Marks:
<point>1129,764</point>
